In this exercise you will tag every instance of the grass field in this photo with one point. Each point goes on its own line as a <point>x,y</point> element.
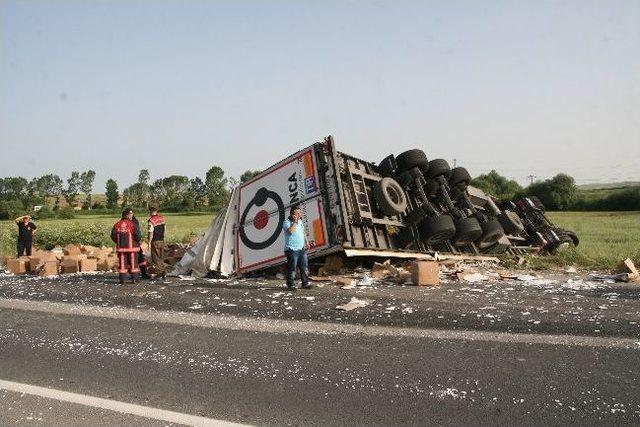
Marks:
<point>95,230</point>
<point>606,238</point>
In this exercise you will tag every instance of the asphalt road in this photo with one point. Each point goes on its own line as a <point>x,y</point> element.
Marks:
<point>244,351</point>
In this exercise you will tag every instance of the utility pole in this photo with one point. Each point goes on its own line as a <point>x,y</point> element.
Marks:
<point>531,178</point>
<point>454,163</point>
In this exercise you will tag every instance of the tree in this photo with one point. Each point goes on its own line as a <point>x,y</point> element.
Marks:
<point>498,186</point>
<point>557,193</point>
<point>144,176</point>
<point>247,175</point>
<point>199,192</point>
<point>112,194</point>
<point>13,188</point>
<point>73,186</point>
<point>51,186</point>
<point>170,192</point>
<point>217,193</point>
<point>125,198</point>
<point>86,186</point>
<point>139,192</point>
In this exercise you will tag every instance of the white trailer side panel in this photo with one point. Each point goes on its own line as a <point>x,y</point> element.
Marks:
<point>264,204</point>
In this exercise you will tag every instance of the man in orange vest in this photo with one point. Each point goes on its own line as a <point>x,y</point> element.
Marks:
<point>125,235</point>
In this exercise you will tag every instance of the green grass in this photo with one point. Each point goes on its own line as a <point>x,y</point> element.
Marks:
<point>606,238</point>
<point>95,230</point>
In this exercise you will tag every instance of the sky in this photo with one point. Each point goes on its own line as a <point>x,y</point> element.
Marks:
<point>526,88</point>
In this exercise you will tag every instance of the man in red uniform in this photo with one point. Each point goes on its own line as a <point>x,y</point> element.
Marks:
<point>125,235</point>
<point>156,241</point>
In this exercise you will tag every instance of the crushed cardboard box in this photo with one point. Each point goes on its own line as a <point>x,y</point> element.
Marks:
<point>627,266</point>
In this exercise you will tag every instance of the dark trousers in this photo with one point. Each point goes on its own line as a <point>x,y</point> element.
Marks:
<point>128,264</point>
<point>297,259</point>
<point>157,256</point>
<point>24,247</point>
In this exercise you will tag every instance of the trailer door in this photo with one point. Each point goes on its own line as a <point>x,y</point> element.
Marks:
<point>264,204</point>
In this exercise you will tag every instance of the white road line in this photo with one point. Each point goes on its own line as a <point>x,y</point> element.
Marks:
<point>263,325</point>
<point>114,405</point>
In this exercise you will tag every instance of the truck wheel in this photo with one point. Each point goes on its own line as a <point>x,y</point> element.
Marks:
<point>468,230</point>
<point>390,197</point>
<point>492,231</point>
<point>438,167</point>
<point>564,243</point>
<point>511,222</point>
<point>459,175</point>
<point>573,236</point>
<point>412,159</point>
<point>437,229</point>
<point>387,166</point>
<point>537,203</point>
<point>431,188</point>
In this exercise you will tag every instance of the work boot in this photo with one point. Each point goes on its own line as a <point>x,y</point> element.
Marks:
<point>144,272</point>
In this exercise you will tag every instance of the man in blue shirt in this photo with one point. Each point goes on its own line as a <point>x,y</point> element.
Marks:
<point>295,248</point>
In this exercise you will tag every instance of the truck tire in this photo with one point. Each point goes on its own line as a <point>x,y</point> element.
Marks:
<point>468,230</point>
<point>492,231</point>
<point>511,222</point>
<point>459,175</point>
<point>565,242</point>
<point>437,229</point>
<point>412,159</point>
<point>387,167</point>
<point>390,197</point>
<point>431,188</point>
<point>438,167</point>
<point>537,203</point>
<point>573,236</point>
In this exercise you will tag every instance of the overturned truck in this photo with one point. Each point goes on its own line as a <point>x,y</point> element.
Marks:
<point>405,206</point>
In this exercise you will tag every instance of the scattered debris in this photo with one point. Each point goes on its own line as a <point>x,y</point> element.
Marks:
<point>472,277</point>
<point>346,282</point>
<point>353,304</point>
<point>627,266</point>
<point>621,277</point>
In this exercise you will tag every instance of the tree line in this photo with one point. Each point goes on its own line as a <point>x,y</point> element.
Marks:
<point>173,193</point>
<point>559,193</point>
<point>211,192</point>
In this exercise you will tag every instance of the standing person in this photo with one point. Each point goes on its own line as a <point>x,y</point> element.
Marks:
<point>295,248</point>
<point>124,236</point>
<point>142,261</point>
<point>157,228</point>
<point>26,228</point>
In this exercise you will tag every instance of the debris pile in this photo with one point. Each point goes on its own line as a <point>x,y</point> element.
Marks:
<point>59,260</point>
<point>75,258</point>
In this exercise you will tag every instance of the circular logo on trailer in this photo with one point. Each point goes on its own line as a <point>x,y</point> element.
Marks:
<point>261,219</point>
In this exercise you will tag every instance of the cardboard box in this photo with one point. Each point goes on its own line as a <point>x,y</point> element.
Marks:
<point>33,263</point>
<point>90,264</point>
<point>108,263</point>
<point>77,257</point>
<point>425,273</point>
<point>69,266</point>
<point>628,267</point>
<point>16,266</point>
<point>71,250</point>
<point>49,268</point>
